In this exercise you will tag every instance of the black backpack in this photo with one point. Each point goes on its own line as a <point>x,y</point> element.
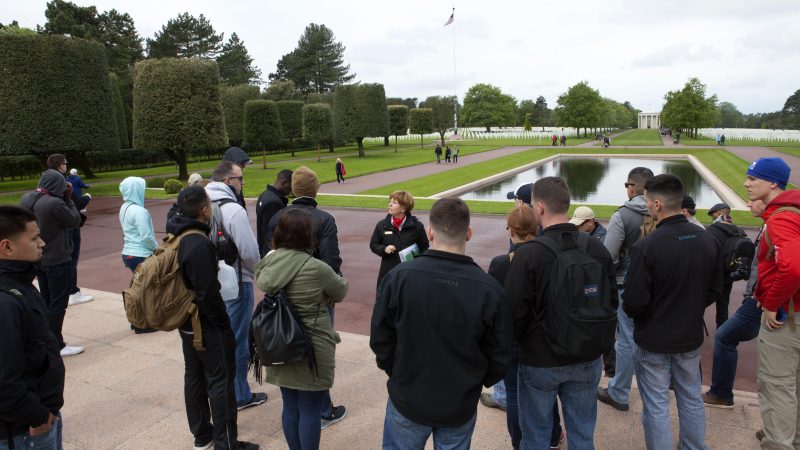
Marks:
<point>737,252</point>
<point>581,316</point>
<point>223,242</point>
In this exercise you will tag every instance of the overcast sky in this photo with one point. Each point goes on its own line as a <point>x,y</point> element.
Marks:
<point>745,51</point>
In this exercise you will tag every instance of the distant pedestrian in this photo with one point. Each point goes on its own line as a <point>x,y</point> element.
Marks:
<point>77,183</point>
<point>718,139</point>
<point>399,231</point>
<point>554,139</point>
<point>563,139</point>
<point>272,200</point>
<point>606,142</point>
<point>340,172</point>
<point>455,154</point>
<point>447,154</point>
<point>722,140</point>
<point>438,152</point>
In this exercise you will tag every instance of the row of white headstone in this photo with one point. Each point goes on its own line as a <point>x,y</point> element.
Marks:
<point>476,133</point>
<point>752,134</point>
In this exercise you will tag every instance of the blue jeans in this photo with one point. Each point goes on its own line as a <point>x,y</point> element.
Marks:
<point>499,393</point>
<point>654,371</point>
<point>47,441</point>
<point>54,284</point>
<point>575,386</point>
<point>240,311</point>
<point>619,387</point>
<point>300,418</point>
<point>132,262</point>
<point>742,326</point>
<point>401,433</point>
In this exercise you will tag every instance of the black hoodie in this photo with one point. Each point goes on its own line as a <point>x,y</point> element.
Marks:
<point>198,262</point>
<point>31,369</point>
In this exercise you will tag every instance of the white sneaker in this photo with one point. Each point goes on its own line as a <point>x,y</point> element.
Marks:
<point>71,351</point>
<point>204,447</point>
<point>78,298</point>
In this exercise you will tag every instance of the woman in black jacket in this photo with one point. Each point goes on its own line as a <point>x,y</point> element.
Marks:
<point>398,231</point>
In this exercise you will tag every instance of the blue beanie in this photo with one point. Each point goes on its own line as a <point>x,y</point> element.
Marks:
<point>774,170</point>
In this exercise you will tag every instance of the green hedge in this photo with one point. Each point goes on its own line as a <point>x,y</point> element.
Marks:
<point>20,167</point>
<point>359,111</point>
<point>119,113</point>
<point>55,97</point>
<point>177,108</point>
<point>262,125</point>
<point>233,99</point>
<point>291,113</point>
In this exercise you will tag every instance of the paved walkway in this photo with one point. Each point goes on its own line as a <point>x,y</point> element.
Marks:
<point>126,392</point>
<point>753,153</point>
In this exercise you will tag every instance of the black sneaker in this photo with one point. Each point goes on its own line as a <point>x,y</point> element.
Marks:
<point>257,399</point>
<point>602,395</point>
<point>244,445</point>
<point>143,330</point>
<point>337,414</point>
<point>713,401</point>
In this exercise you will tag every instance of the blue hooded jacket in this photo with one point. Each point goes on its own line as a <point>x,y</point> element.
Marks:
<point>137,225</point>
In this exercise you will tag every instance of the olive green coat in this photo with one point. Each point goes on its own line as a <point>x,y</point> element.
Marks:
<point>306,290</point>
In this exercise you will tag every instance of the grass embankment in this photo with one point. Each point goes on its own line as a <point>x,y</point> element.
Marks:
<point>788,150</point>
<point>505,142</point>
<point>637,137</point>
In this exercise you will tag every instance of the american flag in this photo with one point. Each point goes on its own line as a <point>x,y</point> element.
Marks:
<point>450,20</point>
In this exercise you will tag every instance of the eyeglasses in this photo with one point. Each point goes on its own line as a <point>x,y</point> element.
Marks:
<point>627,185</point>
<point>236,178</point>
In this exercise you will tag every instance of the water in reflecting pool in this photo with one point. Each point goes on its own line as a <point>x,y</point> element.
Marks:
<point>599,181</point>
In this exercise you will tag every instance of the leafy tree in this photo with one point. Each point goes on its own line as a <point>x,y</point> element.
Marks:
<point>359,111</point>
<point>541,113</point>
<point>55,97</point>
<point>524,109</point>
<point>177,108</point>
<point>398,121</point>
<point>317,64</point>
<point>486,105</point>
<point>282,90</point>
<point>70,19</point>
<point>729,116</point>
<point>420,121</point>
<point>527,125</point>
<point>791,111</point>
<point>235,64</point>
<point>410,102</point>
<point>291,114</point>
<point>14,28</point>
<point>185,37</point>
<point>689,108</point>
<point>119,113</point>
<point>317,124</point>
<point>444,110</point>
<point>233,100</point>
<point>262,126</point>
<point>579,107</point>
<point>633,114</point>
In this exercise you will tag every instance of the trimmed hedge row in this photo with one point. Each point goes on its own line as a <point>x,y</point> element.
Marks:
<point>233,99</point>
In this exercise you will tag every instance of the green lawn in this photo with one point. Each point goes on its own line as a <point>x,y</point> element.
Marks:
<point>729,142</point>
<point>637,137</point>
<point>788,150</point>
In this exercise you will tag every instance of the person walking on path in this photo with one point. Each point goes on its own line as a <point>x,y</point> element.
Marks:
<point>455,154</point>
<point>554,138</point>
<point>675,274</point>
<point>32,377</point>
<point>437,366</point>
<point>563,139</point>
<point>447,154</point>
<point>438,152</point>
<point>741,327</point>
<point>209,375</point>
<point>399,231</point>
<point>138,235</point>
<point>778,292</point>
<point>340,172</point>
<point>56,215</point>
<point>272,200</point>
<point>223,191</point>
<point>310,285</point>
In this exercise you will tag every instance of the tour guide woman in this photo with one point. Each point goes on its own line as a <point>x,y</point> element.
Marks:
<point>398,231</point>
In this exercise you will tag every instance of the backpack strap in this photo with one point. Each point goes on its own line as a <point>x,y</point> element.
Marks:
<point>765,234</point>
<point>193,311</point>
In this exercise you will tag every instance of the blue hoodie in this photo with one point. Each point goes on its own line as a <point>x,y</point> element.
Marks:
<point>137,226</point>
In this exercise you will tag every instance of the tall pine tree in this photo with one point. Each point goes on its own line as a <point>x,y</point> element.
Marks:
<point>235,64</point>
<point>185,36</point>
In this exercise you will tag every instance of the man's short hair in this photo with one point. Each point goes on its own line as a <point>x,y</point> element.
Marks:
<point>554,193</point>
<point>404,199</point>
<point>191,201</point>
<point>223,170</point>
<point>294,230</point>
<point>14,220</point>
<point>639,176</point>
<point>55,161</point>
<point>284,176</point>
<point>667,188</point>
<point>450,220</point>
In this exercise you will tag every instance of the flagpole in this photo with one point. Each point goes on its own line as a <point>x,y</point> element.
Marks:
<point>455,79</point>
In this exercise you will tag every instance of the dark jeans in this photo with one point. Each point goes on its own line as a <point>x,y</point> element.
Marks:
<point>339,176</point>
<point>300,418</point>
<point>54,284</point>
<point>722,304</point>
<point>132,262</point>
<point>208,387</point>
<point>742,326</point>
<point>75,235</point>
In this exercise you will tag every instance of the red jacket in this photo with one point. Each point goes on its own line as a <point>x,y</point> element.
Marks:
<point>779,276</point>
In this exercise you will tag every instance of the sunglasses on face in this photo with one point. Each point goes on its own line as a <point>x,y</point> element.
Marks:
<point>630,185</point>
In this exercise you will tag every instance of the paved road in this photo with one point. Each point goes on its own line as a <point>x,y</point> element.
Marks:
<point>753,153</point>
<point>101,266</point>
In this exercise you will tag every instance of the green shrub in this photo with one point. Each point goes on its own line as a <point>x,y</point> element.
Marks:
<point>25,166</point>
<point>55,97</point>
<point>398,121</point>
<point>359,111</point>
<point>172,186</point>
<point>177,108</point>
<point>119,113</point>
<point>262,125</point>
<point>233,99</point>
<point>317,122</point>
<point>420,121</point>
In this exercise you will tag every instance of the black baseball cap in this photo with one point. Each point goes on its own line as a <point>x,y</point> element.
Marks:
<point>523,193</point>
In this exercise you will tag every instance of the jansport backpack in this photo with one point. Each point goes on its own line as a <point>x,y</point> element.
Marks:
<point>158,297</point>
<point>581,318</point>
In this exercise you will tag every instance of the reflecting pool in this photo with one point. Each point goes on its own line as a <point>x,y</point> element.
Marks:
<point>600,181</point>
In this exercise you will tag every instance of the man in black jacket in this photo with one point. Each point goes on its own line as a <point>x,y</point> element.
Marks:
<point>723,229</point>
<point>675,274</point>
<point>272,200</point>
<point>209,374</point>
<point>31,372</point>
<point>543,374</point>
<point>440,329</point>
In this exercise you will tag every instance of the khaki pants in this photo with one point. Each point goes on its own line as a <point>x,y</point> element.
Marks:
<point>779,385</point>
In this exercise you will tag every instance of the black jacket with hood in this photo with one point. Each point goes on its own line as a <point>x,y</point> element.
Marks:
<point>54,215</point>
<point>411,232</point>
<point>31,369</point>
<point>269,202</point>
<point>325,232</point>
<point>198,261</point>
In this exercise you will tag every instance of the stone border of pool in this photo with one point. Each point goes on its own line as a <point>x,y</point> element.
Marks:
<point>725,193</point>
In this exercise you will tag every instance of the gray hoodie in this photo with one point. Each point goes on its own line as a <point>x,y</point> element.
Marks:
<point>234,219</point>
<point>623,232</point>
<point>54,215</point>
